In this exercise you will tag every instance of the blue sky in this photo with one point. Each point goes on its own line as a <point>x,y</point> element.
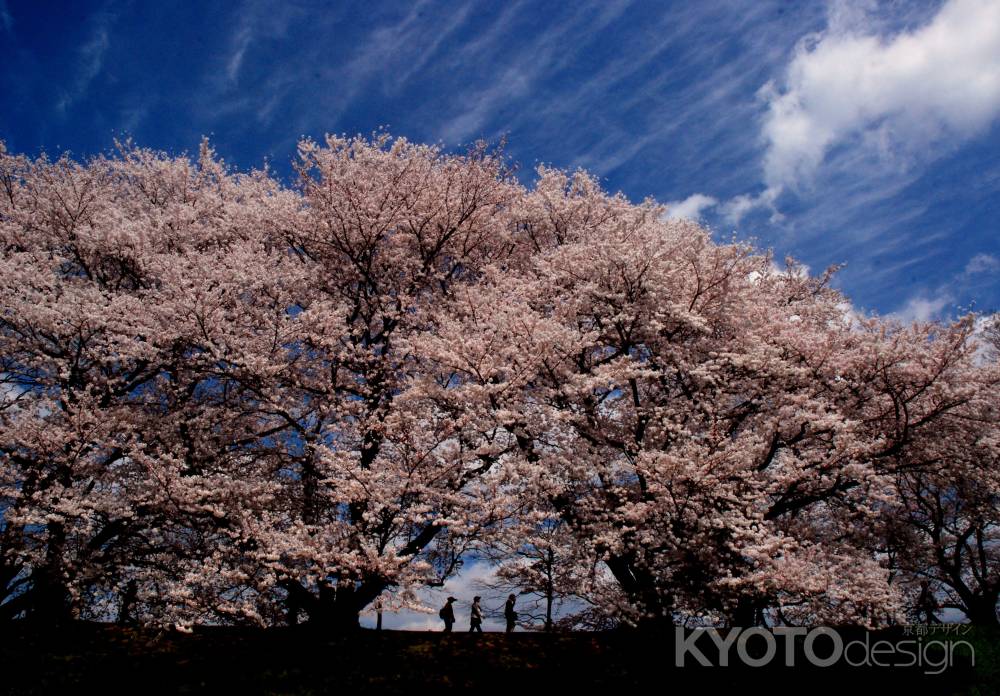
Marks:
<point>860,132</point>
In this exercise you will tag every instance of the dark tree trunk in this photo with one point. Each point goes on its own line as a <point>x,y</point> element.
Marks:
<point>550,589</point>
<point>659,623</point>
<point>642,591</point>
<point>548,611</point>
<point>9,585</point>
<point>333,608</point>
<point>747,614</point>
<point>292,606</point>
<point>12,608</point>
<point>50,599</point>
<point>983,612</point>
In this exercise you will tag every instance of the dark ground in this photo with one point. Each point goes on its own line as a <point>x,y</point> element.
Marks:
<point>304,661</point>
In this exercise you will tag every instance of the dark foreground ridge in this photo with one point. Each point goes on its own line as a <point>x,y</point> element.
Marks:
<point>305,661</point>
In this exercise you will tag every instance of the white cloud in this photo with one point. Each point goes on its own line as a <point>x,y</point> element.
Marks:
<point>9,391</point>
<point>691,207</point>
<point>939,82</point>
<point>982,263</point>
<point>736,208</point>
<point>921,309</point>
<point>986,350</point>
<point>8,394</point>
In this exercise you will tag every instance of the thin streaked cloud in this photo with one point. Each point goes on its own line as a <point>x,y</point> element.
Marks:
<point>89,60</point>
<point>6,20</point>
<point>691,104</point>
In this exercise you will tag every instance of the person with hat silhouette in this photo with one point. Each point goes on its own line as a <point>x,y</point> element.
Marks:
<point>447,615</point>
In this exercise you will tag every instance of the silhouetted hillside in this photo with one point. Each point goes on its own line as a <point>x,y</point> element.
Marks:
<point>304,661</point>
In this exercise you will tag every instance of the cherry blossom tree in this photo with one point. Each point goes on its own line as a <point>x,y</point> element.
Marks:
<point>715,431</point>
<point>943,535</point>
<point>387,486</point>
<point>128,285</point>
<point>224,399</point>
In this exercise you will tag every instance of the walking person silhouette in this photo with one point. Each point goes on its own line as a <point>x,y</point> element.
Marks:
<point>447,615</point>
<point>476,617</point>
<point>509,613</point>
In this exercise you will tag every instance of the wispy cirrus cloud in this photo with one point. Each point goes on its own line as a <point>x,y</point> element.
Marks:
<point>6,20</point>
<point>90,60</point>
<point>257,21</point>
<point>659,100</point>
<point>241,42</point>
<point>413,43</point>
<point>328,65</point>
<point>516,78</point>
<point>690,101</point>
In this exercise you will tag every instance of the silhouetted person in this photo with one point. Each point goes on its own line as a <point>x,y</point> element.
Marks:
<point>476,617</point>
<point>447,615</point>
<point>926,603</point>
<point>128,599</point>
<point>509,613</point>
